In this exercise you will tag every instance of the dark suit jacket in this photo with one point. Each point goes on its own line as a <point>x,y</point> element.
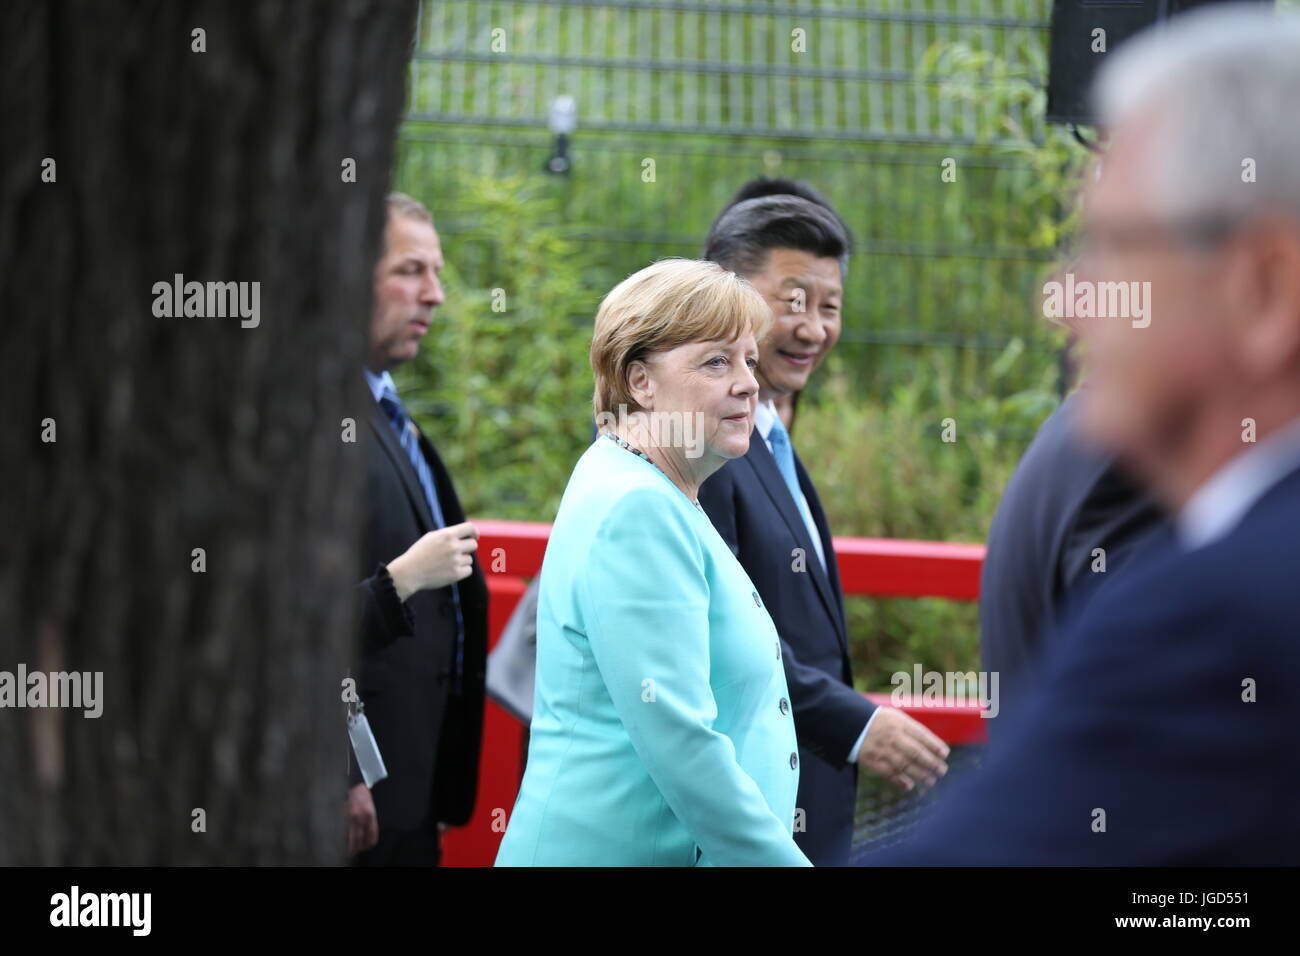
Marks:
<point>1062,501</point>
<point>752,508</point>
<point>1139,713</point>
<point>428,736</point>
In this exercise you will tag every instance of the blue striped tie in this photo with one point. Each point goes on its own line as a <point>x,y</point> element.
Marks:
<point>409,437</point>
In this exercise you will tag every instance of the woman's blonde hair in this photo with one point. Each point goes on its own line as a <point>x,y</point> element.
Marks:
<point>667,304</point>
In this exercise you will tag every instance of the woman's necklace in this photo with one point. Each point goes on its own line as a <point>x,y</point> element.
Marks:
<point>622,444</point>
<point>638,452</point>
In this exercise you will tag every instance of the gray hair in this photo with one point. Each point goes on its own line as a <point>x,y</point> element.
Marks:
<point>403,206</point>
<point>1224,81</point>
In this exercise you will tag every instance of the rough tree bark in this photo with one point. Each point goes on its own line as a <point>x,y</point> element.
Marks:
<point>220,687</point>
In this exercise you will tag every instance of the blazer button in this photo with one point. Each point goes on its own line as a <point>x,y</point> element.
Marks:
<point>785,706</point>
<point>794,761</point>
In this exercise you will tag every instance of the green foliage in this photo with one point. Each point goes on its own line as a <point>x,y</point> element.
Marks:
<point>506,394</point>
<point>883,470</point>
<point>1047,182</point>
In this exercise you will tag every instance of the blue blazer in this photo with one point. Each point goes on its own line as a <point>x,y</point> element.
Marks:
<point>1142,721</point>
<point>752,508</point>
<point>662,731</point>
<point>1063,500</point>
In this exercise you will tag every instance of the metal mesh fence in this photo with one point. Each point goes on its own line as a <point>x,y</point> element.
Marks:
<point>885,815</point>
<point>713,93</point>
<point>844,71</point>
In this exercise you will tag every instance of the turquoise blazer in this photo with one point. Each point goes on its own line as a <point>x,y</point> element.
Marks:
<point>662,732</point>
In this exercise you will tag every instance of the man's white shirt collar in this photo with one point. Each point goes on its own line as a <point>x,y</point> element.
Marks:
<point>764,417</point>
<point>1222,501</point>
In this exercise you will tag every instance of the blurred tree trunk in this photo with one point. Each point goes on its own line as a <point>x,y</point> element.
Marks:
<point>221,688</point>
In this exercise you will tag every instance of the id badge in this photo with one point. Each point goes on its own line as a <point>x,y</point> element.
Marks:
<point>370,763</point>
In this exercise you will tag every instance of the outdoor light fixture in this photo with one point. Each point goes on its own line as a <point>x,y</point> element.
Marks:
<point>562,120</point>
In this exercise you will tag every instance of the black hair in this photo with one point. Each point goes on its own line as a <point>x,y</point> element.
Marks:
<point>767,214</point>
<point>772,186</point>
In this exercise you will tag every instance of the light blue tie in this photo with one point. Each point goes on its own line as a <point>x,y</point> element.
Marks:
<point>783,452</point>
<point>410,441</point>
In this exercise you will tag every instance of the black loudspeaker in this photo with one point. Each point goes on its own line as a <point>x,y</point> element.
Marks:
<point>1075,54</point>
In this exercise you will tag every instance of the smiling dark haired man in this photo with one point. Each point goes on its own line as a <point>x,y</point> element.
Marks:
<point>785,238</point>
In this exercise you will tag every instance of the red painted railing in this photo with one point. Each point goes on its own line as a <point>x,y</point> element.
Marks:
<point>511,552</point>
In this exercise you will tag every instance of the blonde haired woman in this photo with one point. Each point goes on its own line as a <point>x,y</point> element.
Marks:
<point>662,733</point>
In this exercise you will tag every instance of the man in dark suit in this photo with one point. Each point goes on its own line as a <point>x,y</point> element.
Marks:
<point>1160,729</point>
<point>786,240</point>
<point>1069,520</point>
<point>424,617</point>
